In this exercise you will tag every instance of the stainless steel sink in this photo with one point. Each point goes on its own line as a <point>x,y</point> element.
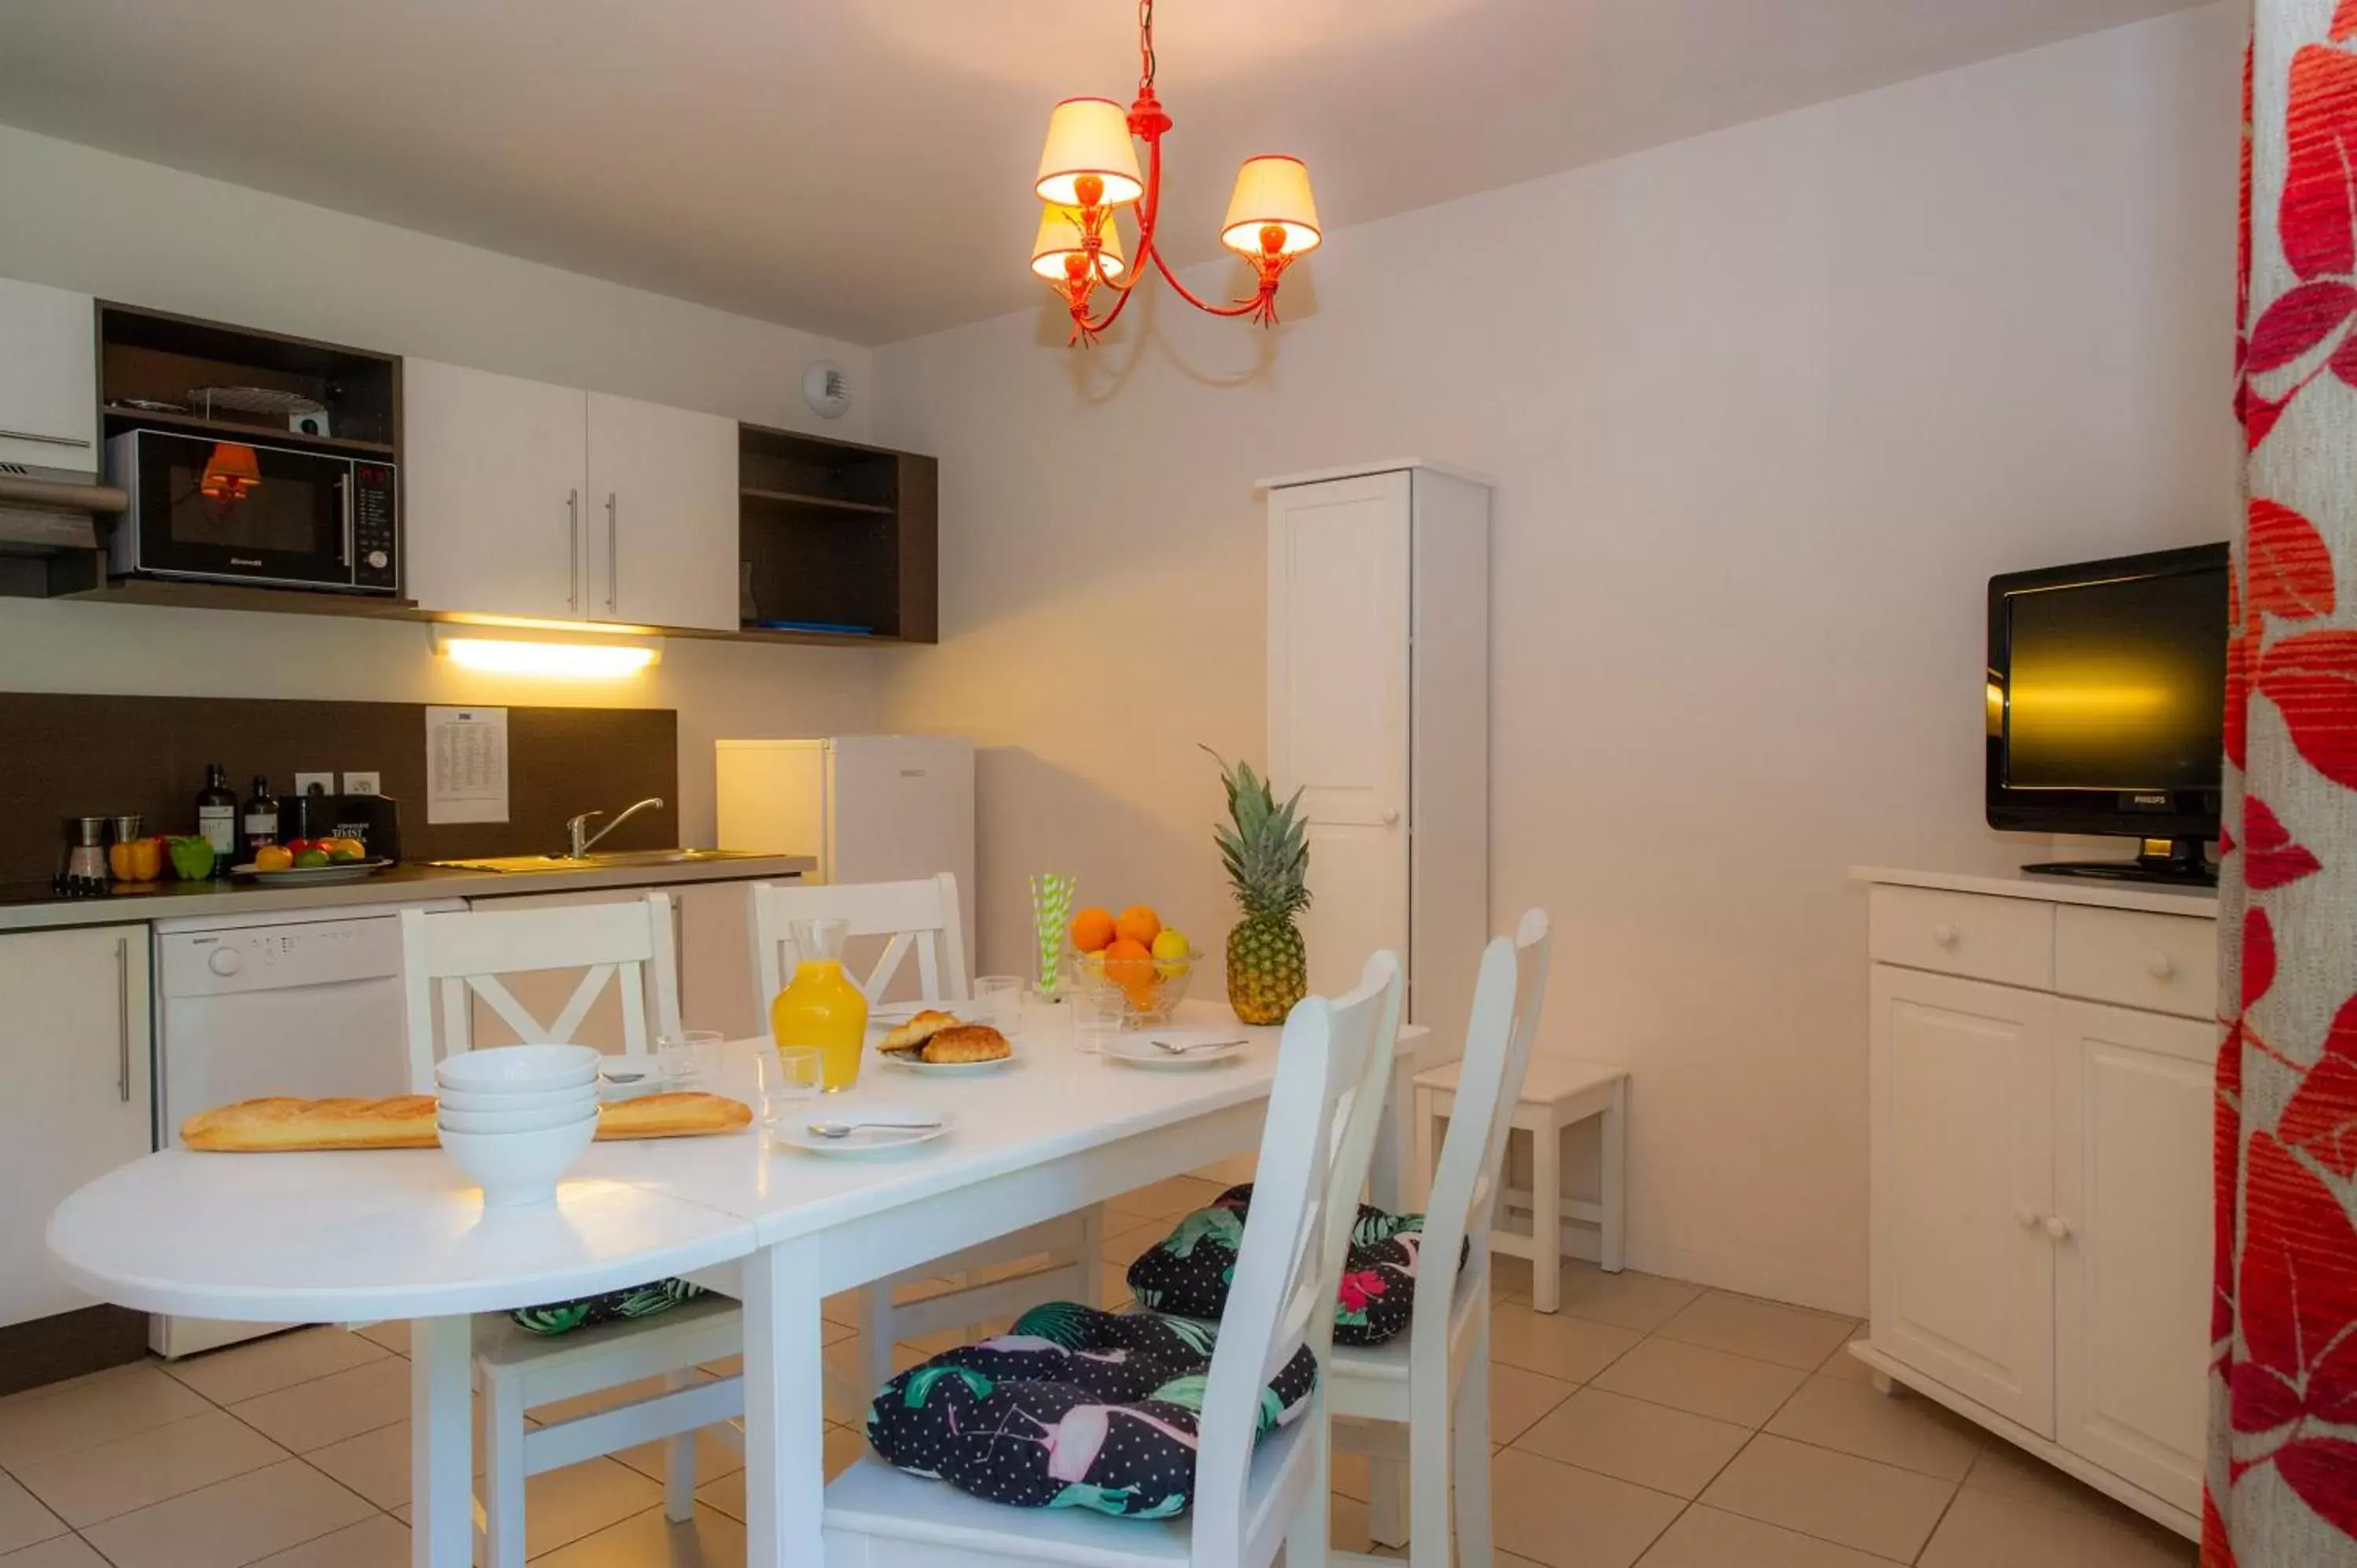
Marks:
<point>603,859</point>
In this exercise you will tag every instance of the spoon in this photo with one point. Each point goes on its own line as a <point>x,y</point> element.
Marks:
<point>1180,1050</point>
<point>846,1129</point>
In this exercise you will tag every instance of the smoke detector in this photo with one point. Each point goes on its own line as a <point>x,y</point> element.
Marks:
<point>826,387</point>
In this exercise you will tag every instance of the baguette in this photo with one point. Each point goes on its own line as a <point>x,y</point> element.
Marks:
<point>407,1122</point>
<point>904,1041</point>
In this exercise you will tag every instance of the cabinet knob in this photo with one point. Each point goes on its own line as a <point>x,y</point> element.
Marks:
<point>1947,935</point>
<point>1390,817</point>
<point>2058,1228</point>
<point>2160,966</point>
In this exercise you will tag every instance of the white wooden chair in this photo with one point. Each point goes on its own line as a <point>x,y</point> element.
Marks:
<point>1333,1069</point>
<point>463,954</point>
<point>1435,1378</point>
<point>922,916</point>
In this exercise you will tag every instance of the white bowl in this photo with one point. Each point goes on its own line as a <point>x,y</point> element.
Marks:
<point>450,1121</point>
<point>518,1069</point>
<point>468,1100</point>
<point>519,1167</point>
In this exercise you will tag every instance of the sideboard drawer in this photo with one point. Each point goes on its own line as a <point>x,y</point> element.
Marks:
<point>2165,963</point>
<point>2007,940</point>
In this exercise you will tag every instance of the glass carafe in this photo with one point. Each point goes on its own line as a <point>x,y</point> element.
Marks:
<point>820,1006</point>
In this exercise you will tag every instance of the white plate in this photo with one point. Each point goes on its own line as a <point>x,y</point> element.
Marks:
<point>794,1130</point>
<point>1138,1049</point>
<point>892,1015</point>
<point>300,876</point>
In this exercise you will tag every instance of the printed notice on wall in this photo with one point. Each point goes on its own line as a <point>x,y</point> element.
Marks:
<point>466,765</point>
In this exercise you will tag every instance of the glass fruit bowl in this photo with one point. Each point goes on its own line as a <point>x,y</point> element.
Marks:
<point>1149,988</point>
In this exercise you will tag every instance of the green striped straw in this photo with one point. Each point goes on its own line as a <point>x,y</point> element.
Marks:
<point>1051,911</point>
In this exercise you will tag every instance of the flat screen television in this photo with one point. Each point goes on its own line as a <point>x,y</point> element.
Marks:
<point>2107,704</point>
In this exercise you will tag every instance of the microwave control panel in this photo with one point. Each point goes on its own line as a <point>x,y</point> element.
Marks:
<point>376,557</point>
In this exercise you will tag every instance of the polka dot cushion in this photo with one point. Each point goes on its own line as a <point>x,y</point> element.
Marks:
<point>1070,1408</point>
<point>1189,1271</point>
<point>588,1311</point>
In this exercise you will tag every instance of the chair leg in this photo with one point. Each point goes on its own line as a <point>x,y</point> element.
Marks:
<point>503,1516</point>
<point>1546,1214</point>
<point>1306,1534</point>
<point>1093,1258</point>
<point>1469,1432</point>
<point>679,1458</point>
<point>1613,1189</point>
<point>1428,1476</point>
<point>1388,1516</point>
<point>876,1334</point>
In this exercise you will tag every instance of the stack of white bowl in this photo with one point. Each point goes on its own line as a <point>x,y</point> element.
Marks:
<point>515,1118</point>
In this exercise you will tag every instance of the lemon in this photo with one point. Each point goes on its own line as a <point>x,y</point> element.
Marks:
<point>1169,944</point>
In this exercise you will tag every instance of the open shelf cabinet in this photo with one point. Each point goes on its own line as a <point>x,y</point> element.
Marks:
<point>838,541</point>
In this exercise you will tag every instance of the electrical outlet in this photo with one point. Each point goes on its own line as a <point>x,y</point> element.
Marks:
<point>304,781</point>
<point>362,784</point>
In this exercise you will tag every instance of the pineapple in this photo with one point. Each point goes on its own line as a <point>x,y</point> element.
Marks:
<point>1266,850</point>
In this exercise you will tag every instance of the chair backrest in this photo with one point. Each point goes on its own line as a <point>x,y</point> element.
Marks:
<point>922,915</point>
<point>462,953</point>
<point>1334,1072</point>
<point>1470,1171</point>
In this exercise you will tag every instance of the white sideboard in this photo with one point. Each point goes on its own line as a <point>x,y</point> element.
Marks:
<point>2042,1084</point>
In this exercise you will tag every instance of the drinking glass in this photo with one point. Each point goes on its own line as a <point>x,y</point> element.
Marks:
<point>998,998</point>
<point>689,1058</point>
<point>790,1077</point>
<point>1096,1022</point>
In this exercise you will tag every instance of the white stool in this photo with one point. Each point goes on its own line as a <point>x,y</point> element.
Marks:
<point>1557,1093</point>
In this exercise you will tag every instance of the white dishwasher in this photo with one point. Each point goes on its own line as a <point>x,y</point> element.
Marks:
<point>305,1003</point>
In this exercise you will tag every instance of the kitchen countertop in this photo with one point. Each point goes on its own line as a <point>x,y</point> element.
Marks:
<point>35,906</point>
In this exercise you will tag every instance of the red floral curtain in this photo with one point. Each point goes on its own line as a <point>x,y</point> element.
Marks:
<point>2283,1426</point>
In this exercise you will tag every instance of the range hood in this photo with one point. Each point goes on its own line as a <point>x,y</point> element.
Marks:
<point>44,511</point>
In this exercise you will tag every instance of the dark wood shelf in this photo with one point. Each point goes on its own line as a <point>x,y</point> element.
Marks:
<point>251,434</point>
<point>827,503</point>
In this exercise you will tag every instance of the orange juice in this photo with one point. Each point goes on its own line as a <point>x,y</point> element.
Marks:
<point>821,1007</point>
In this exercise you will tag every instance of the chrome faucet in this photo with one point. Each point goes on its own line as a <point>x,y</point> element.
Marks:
<point>582,841</point>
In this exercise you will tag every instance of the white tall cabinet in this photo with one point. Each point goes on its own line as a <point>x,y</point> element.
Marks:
<point>524,498</point>
<point>2041,1087</point>
<point>49,379</point>
<point>1379,714</point>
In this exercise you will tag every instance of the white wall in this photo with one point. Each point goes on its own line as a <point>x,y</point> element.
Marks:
<point>148,235</point>
<point>1765,410</point>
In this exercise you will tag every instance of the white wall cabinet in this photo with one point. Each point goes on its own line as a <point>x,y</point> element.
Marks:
<point>1378,712</point>
<point>2040,1169</point>
<point>48,377</point>
<point>525,498</point>
<point>79,1064</point>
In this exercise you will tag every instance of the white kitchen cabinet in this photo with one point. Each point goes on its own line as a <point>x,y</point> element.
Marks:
<point>2040,1169</point>
<point>494,476</point>
<point>1964,1281</point>
<point>525,498</point>
<point>1378,712</point>
<point>76,1034</point>
<point>2135,1099</point>
<point>49,379</point>
<point>665,483</point>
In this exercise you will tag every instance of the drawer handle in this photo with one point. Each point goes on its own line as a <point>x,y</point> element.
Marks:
<point>1947,935</point>
<point>2160,966</point>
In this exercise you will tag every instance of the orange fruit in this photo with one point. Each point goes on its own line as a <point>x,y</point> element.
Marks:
<point>1138,924</point>
<point>1092,930</point>
<point>1129,965</point>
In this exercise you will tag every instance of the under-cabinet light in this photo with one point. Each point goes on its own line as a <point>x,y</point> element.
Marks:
<point>582,658</point>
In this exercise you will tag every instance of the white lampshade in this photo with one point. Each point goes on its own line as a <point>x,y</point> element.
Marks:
<point>1088,135</point>
<point>1059,236</point>
<point>1272,189</point>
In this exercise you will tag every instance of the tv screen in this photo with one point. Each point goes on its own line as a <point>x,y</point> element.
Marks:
<point>2119,685</point>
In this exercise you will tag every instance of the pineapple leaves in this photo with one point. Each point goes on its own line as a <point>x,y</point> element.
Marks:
<point>1264,847</point>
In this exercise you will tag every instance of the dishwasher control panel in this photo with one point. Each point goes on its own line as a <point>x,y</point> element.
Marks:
<point>278,958</point>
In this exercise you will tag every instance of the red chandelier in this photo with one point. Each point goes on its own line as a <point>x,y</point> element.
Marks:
<point>1088,171</point>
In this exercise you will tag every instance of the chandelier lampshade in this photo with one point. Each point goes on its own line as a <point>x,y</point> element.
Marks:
<point>1272,200</point>
<point>1060,237</point>
<point>1089,138</point>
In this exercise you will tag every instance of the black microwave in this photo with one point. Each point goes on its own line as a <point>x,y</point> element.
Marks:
<point>236,511</point>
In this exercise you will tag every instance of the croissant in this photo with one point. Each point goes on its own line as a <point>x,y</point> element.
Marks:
<point>904,1041</point>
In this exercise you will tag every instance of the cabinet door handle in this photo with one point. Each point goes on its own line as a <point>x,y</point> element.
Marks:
<point>2057,1227</point>
<point>44,440</point>
<point>613,556</point>
<point>1946,936</point>
<point>573,531</point>
<point>123,1018</point>
<point>2160,966</point>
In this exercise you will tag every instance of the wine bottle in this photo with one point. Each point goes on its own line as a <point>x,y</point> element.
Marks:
<point>217,817</point>
<point>261,818</point>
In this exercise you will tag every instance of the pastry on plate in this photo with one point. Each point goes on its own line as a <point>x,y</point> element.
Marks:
<point>905,1040</point>
<point>960,1043</point>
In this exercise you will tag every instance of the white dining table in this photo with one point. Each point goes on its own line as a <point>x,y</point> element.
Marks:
<point>368,1235</point>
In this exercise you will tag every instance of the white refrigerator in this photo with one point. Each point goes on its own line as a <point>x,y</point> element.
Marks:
<point>868,808</point>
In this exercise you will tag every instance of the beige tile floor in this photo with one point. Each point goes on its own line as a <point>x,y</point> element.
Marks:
<point>1649,1423</point>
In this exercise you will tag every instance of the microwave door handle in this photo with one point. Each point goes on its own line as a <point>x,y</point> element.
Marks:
<point>344,500</point>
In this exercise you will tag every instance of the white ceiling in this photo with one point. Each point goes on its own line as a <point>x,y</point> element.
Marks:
<point>862,167</point>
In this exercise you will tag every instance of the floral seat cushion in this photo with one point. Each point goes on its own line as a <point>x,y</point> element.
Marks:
<point>611,1306</point>
<point>1187,1272</point>
<point>1070,1408</point>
